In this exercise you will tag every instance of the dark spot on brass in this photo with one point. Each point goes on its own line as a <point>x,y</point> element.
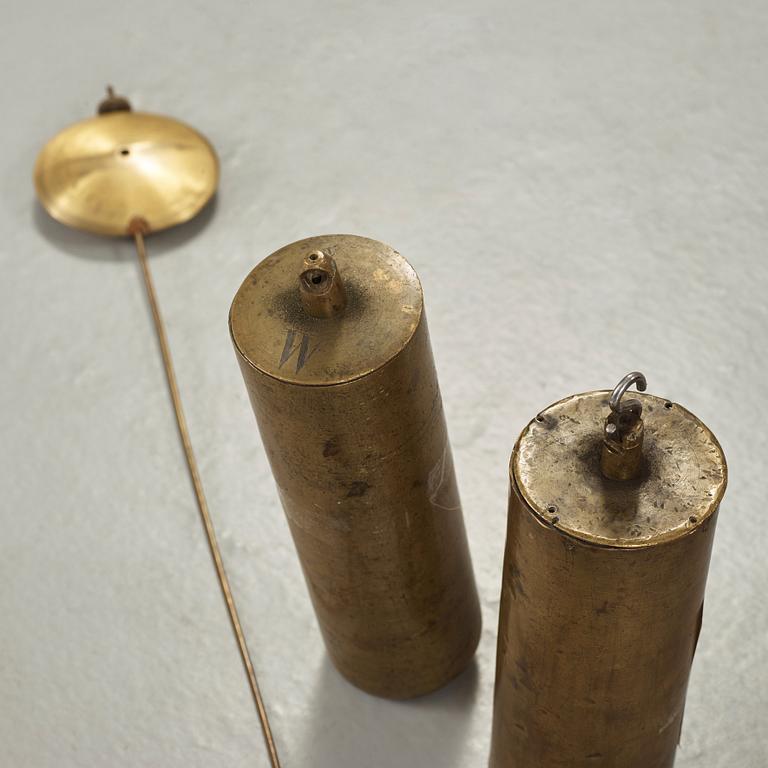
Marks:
<point>330,448</point>
<point>517,582</point>
<point>287,306</point>
<point>525,675</point>
<point>358,488</point>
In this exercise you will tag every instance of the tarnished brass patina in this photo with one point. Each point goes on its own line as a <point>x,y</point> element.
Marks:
<point>603,588</point>
<point>347,401</point>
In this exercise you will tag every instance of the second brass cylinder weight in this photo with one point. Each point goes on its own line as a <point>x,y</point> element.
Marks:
<point>333,345</point>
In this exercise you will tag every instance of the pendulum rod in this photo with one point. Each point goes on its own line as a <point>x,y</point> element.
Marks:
<point>137,230</point>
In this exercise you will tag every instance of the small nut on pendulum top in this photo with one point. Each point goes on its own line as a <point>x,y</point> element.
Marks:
<point>113,103</point>
<point>320,286</point>
<point>622,451</point>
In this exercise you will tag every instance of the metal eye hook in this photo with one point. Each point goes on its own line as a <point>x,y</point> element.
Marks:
<point>622,452</point>
<point>620,389</point>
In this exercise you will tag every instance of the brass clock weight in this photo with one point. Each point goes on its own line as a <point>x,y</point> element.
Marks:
<point>612,510</point>
<point>332,341</point>
<point>128,174</point>
<point>612,506</point>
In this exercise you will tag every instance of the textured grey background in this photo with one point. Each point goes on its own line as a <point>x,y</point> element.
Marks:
<point>582,189</point>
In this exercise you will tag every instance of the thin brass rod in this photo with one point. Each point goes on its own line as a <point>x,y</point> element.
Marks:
<point>202,503</point>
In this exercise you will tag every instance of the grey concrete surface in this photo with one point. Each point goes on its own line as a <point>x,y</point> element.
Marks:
<point>582,189</point>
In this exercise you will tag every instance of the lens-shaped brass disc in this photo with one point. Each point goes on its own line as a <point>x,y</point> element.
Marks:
<point>102,173</point>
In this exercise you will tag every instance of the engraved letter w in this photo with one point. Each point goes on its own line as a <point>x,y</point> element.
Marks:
<point>291,346</point>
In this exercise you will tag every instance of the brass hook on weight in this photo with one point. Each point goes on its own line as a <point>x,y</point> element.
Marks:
<point>623,432</point>
<point>620,390</point>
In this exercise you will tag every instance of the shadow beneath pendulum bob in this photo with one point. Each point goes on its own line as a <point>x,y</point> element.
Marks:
<point>349,727</point>
<point>108,248</point>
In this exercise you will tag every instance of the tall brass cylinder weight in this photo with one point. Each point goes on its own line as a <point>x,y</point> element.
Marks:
<point>333,345</point>
<point>612,513</point>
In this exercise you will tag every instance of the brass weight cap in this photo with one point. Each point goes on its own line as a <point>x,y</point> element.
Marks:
<point>326,310</point>
<point>556,467</point>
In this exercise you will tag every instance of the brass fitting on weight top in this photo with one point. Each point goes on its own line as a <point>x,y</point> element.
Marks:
<point>332,341</point>
<point>612,514</point>
<point>622,454</point>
